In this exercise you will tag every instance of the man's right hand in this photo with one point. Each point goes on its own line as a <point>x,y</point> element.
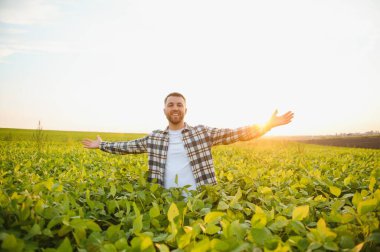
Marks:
<point>92,144</point>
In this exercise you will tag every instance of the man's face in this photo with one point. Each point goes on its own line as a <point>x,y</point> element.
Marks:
<point>175,109</point>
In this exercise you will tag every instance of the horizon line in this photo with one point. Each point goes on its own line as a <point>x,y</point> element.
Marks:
<point>114,132</point>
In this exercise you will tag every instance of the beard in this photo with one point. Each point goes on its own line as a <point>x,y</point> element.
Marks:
<point>175,119</point>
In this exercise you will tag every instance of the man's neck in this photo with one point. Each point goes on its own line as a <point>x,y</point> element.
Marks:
<point>177,126</point>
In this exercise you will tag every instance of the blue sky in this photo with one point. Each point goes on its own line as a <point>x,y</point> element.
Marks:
<point>107,65</point>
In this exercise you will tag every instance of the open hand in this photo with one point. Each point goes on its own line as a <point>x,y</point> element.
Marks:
<point>92,144</point>
<point>275,120</point>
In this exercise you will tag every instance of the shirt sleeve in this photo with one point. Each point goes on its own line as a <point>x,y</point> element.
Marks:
<point>229,136</point>
<point>130,147</point>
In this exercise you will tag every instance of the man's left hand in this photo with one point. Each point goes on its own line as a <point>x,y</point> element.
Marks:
<point>275,120</point>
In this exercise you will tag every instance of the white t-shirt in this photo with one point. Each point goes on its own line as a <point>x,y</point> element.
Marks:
<point>178,163</point>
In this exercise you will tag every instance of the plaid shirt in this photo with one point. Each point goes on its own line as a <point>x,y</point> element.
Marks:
<point>198,141</point>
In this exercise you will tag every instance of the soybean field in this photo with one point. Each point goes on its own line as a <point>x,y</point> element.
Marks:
<point>271,195</point>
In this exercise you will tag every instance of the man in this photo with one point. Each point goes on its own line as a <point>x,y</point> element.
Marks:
<point>182,150</point>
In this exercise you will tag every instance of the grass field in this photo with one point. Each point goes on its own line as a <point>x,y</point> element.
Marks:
<point>271,196</point>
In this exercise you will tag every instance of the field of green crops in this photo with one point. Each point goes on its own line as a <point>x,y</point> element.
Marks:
<point>272,196</point>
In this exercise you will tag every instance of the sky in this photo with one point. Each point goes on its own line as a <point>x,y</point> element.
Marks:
<point>95,65</point>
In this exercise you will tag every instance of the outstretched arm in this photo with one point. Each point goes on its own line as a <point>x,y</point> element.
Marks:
<point>129,147</point>
<point>228,136</point>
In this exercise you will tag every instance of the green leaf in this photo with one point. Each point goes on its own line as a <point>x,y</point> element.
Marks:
<point>331,246</point>
<point>337,205</point>
<point>146,243</point>
<point>220,245</point>
<point>230,177</point>
<point>184,240</point>
<point>300,212</point>
<point>154,211</point>
<point>347,180</point>
<point>213,216</point>
<point>374,237</point>
<point>137,224</point>
<point>35,230</point>
<point>154,187</point>
<point>272,243</point>
<point>279,223</point>
<point>49,184</point>
<point>201,246</point>
<point>346,218</point>
<point>237,230</point>
<point>160,237</point>
<point>346,242</point>
<point>300,242</point>
<point>261,235</point>
<point>112,205</point>
<point>65,246</point>
<point>335,190</point>
<point>112,230</point>
<point>376,194</point>
<point>236,198</point>
<point>79,235</point>
<point>162,247</point>
<point>198,205</point>
<point>47,232</point>
<point>113,190</point>
<point>64,230</point>
<point>357,198</point>
<point>10,242</point>
<point>324,231</point>
<point>108,248</point>
<point>129,187</point>
<point>222,205</point>
<point>77,223</point>
<point>372,182</point>
<point>212,229</point>
<point>121,244</point>
<point>314,245</point>
<point>320,198</point>
<point>367,206</point>
<point>172,212</point>
<point>39,207</point>
<point>264,190</point>
<point>93,226</point>
<point>259,220</point>
<point>96,239</point>
<point>297,227</point>
<point>136,209</point>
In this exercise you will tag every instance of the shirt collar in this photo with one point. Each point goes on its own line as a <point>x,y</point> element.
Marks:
<point>185,129</point>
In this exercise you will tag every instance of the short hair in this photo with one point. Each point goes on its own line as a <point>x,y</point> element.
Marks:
<point>176,95</point>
